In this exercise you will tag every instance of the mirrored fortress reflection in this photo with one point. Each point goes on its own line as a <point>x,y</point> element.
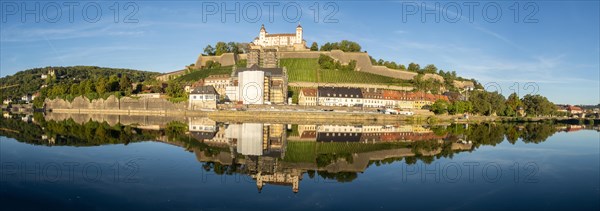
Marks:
<point>278,154</point>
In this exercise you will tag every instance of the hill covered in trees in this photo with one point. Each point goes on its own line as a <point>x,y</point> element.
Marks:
<point>69,80</point>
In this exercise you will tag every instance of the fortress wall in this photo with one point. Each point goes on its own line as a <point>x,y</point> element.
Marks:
<point>166,76</point>
<point>162,104</point>
<point>125,104</point>
<point>132,104</point>
<point>226,59</point>
<point>434,77</point>
<point>363,63</point>
<point>463,84</point>
<point>129,120</point>
<point>57,103</point>
<point>110,103</point>
<point>381,70</point>
<point>81,102</point>
<point>112,119</point>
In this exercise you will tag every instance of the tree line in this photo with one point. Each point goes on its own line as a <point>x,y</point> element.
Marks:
<point>221,47</point>
<point>30,81</point>
<point>344,45</point>
<point>495,104</point>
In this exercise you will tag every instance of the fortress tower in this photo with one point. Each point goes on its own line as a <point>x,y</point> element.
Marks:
<point>299,32</point>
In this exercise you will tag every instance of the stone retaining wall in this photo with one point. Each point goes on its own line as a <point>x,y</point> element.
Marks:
<point>112,119</point>
<point>226,59</point>
<point>124,104</point>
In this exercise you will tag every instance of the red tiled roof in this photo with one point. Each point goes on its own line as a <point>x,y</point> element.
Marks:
<point>309,92</point>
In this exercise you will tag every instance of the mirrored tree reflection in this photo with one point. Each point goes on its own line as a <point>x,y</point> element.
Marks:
<point>280,154</point>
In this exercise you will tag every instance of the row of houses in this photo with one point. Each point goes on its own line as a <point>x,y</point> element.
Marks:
<point>366,97</point>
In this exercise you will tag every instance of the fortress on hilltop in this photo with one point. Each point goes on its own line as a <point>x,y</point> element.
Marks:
<point>290,41</point>
<point>267,50</point>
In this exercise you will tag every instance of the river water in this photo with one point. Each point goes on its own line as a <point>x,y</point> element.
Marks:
<point>204,164</point>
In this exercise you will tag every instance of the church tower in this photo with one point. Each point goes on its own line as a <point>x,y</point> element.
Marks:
<point>299,34</point>
<point>262,35</point>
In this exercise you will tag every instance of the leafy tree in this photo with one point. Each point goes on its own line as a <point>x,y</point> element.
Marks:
<point>101,85</point>
<point>232,47</point>
<point>512,104</point>
<point>537,105</point>
<point>113,83</point>
<point>344,45</point>
<point>125,84</point>
<point>326,62</point>
<point>351,65</point>
<point>509,111</point>
<point>175,89</point>
<point>487,103</point>
<point>414,67</point>
<point>211,65</point>
<point>314,46</point>
<point>459,107</point>
<point>209,50</point>
<point>74,89</point>
<point>89,87</point>
<point>221,48</point>
<point>430,68</point>
<point>439,107</point>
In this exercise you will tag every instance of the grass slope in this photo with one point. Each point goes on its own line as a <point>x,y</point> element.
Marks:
<point>200,74</point>
<point>301,151</point>
<point>307,70</point>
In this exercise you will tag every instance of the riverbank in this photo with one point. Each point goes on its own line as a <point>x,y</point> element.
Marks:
<point>284,116</point>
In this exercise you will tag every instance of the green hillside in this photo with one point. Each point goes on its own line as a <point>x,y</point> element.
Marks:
<point>30,81</point>
<point>308,70</point>
<point>300,151</point>
<point>196,75</point>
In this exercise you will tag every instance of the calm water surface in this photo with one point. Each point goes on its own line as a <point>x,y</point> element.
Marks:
<point>203,164</point>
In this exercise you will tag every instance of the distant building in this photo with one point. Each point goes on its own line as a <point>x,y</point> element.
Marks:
<point>220,82</point>
<point>51,73</point>
<point>6,101</point>
<point>201,124</point>
<point>373,98</point>
<point>279,178</point>
<point>339,96</point>
<point>294,40</point>
<point>255,85</point>
<point>521,111</point>
<point>263,57</point>
<point>203,97</point>
<point>422,99</point>
<point>401,99</point>
<point>307,97</point>
<point>27,98</point>
<point>574,109</point>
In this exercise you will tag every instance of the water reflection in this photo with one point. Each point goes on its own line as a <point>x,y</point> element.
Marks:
<point>279,154</point>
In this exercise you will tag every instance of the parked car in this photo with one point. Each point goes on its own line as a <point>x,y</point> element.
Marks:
<point>407,113</point>
<point>391,111</point>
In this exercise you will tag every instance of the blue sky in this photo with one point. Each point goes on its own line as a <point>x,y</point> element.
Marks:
<point>556,48</point>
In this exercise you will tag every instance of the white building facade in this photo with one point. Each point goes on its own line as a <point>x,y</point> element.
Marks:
<point>265,39</point>
<point>251,87</point>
